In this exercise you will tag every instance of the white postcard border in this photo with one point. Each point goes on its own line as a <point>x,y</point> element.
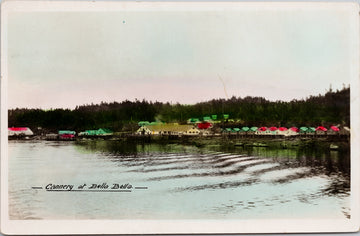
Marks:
<point>179,226</point>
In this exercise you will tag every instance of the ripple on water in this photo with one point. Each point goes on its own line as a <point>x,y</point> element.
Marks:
<point>276,175</point>
<point>261,167</point>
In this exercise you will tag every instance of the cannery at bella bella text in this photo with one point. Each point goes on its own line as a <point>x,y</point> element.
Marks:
<point>59,187</point>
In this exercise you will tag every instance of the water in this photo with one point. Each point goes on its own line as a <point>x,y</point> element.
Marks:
<point>183,182</point>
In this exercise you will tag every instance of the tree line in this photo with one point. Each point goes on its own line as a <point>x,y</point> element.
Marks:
<point>332,108</point>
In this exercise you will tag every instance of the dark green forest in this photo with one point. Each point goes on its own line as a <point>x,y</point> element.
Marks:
<point>332,108</point>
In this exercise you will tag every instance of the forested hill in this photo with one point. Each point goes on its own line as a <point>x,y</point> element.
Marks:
<point>333,108</point>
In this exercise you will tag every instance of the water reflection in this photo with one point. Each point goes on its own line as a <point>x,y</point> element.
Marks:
<point>317,156</point>
<point>266,164</point>
<point>184,181</point>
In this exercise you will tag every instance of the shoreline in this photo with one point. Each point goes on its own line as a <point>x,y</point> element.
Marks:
<point>326,142</point>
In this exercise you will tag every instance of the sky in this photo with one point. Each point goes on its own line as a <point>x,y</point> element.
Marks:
<point>64,59</point>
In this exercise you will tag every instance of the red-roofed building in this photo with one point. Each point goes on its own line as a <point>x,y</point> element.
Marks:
<point>13,131</point>
<point>204,125</point>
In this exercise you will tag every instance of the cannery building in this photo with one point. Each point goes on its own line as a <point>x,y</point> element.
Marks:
<point>168,129</point>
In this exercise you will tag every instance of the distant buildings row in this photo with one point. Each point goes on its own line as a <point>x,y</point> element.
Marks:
<point>203,128</point>
<point>206,128</point>
<point>62,134</point>
<point>288,131</point>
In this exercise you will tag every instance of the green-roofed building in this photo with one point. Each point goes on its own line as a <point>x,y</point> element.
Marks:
<point>311,130</point>
<point>193,120</point>
<point>98,132</point>
<point>303,129</point>
<point>226,116</point>
<point>236,129</point>
<point>245,129</point>
<point>253,129</point>
<point>206,118</point>
<point>143,123</point>
<point>213,117</point>
<point>104,132</point>
<point>66,132</point>
<point>307,130</point>
<point>90,132</point>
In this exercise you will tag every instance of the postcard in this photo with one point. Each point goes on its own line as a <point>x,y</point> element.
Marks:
<point>179,117</point>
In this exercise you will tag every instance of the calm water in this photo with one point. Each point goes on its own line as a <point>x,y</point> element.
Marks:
<point>183,182</point>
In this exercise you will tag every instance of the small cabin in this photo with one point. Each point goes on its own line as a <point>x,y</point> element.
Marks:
<point>262,131</point>
<point>289,132</point>
<point>334,130</point>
